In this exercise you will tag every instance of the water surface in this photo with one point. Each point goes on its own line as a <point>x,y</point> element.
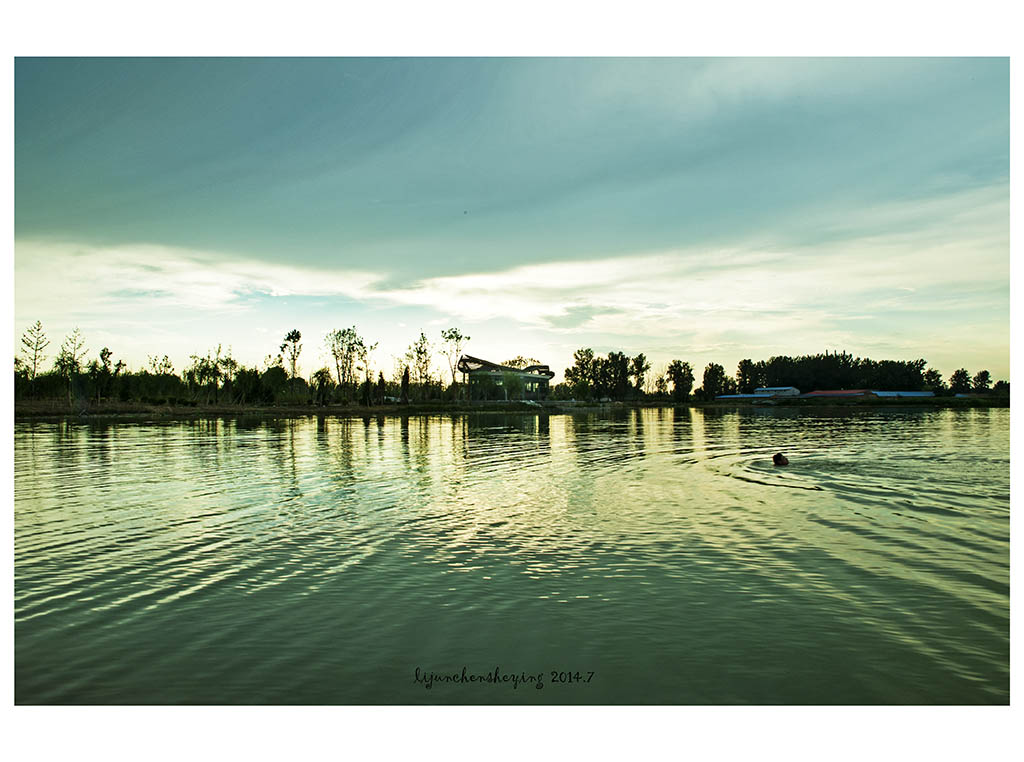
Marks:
<point>656,553</point>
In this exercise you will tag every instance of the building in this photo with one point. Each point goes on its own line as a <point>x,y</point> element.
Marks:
<point>904,394</point>
<point>842,393</point>
<point>489,380</point>
<point>777,391</point>
<point>768,392</point>
<point>763,393</point>
<point>867,393</point>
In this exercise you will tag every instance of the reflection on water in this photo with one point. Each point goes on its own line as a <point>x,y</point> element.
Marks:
<point>323,560</point>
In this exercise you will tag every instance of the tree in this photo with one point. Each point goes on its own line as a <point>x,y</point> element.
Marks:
<point>519,362</point>
<point>160,367</point>
<point>273,381</point>
<point>661,386</point>
<point>960,381</point>
<point>381,388</point>
<point>292,347</point>
<point>618,374</point>
<point>345,346</point>
<point>93,371</point>
<point>1001,388</point>
<point>581,376</point>
<point>746,377</point>
<point>681,375</point>
<point>101,373</point>
<point>247,387</point>
<point>20,376</point>
<point>34,341</point>
<point>714,381</point>
<point>512,383</point>
<point>363,352</point>
<point>322,381</point>
<point>603,377</point>
<point>204,375</point>
<point>982,380</point>
<point>418,358</point>
<point>637,370</point>
<point>454,341</point>
<point>933,380</point>
<point>69,361</point>
<point>228,368</point>
<point>405,385</point>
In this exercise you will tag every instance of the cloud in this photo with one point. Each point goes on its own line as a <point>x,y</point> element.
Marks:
<point>896,279</point>
<point>63,280</point>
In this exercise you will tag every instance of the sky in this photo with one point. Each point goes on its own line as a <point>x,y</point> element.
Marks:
<point>708,210</point>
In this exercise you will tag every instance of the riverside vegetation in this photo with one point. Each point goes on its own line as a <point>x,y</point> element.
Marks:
<point>216,381</point>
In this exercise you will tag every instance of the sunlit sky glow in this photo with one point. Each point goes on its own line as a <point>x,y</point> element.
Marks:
<point>707,210</point>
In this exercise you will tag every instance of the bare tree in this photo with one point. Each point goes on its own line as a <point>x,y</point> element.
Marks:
<point>418,357</point>
<point>363,353</point>
<point>69,360</point>
<point>34,342</point>
<point>454,342</point>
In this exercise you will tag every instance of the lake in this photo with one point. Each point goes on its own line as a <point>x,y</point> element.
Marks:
<point>629,557</point>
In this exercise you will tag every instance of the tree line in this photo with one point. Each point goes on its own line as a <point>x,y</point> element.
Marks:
<point>618,377</point>
<point>216,377</point>
<point>349,375</point>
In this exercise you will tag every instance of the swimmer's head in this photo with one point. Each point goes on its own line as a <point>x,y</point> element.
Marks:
<point>779,459</point>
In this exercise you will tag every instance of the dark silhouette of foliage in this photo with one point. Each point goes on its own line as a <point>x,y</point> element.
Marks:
<point>160,367</point>
<point>619,363</point>
<point>933,381</point>
<point>581,377</point>
<point>834,370</point>
<point>638,371</point>
<point>69,360</point>
<point>204,375</point>
<point>322,383</point>
<point>748,376</point>
<point>661,386</point>
<point>275,381</point>
<point>418,358</point>
<point>714,381</point>
<point>292,348</point>
<point>519,362</point>
<point>512,384</point>
<point>681,375</point>
<point>960,381</point>
<point>248,388</point>
<point>217,376</point>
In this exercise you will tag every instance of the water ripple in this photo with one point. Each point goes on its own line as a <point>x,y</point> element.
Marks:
<point>320,560</point>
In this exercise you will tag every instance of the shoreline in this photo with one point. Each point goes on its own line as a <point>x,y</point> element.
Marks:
<point>54,410</point>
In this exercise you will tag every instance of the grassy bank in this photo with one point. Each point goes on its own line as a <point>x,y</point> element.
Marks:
<point>58,409</point>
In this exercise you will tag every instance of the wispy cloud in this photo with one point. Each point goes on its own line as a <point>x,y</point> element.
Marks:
<point>65,280</point>
<point>887,291</point>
